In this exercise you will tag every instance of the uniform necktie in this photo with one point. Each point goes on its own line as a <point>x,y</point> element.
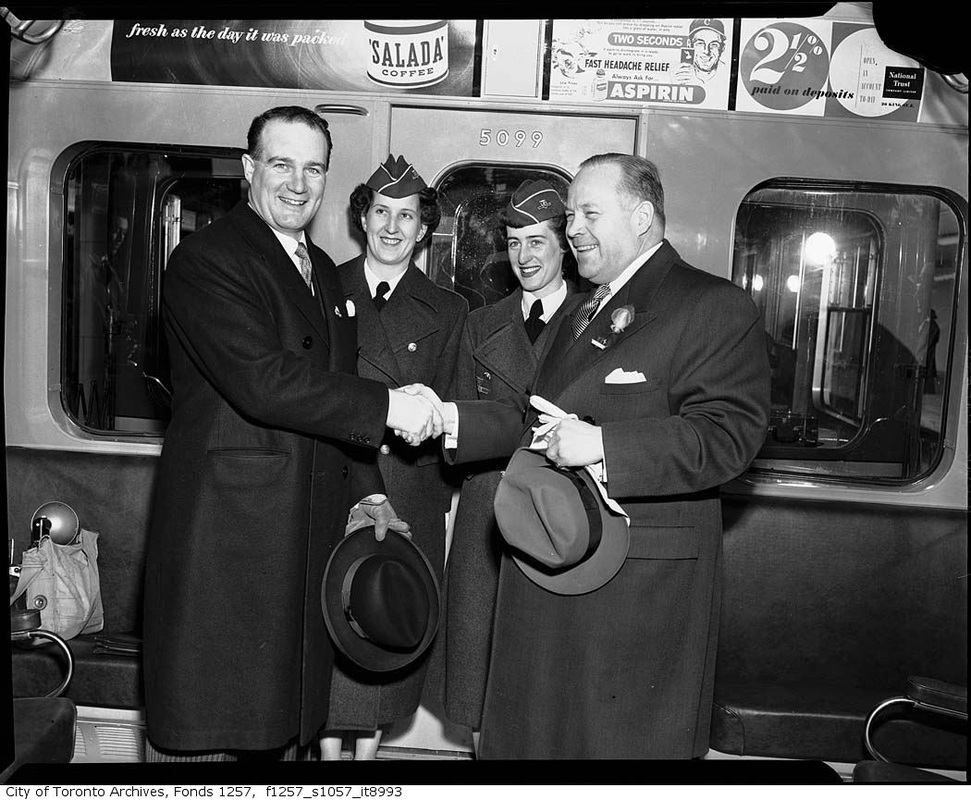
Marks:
<point>379,295</point>
<point>534,322</point>
<point>583,315</point>
<point>305,269</point>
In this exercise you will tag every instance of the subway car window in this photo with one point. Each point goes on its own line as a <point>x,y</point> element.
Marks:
<point>468,250</point>
<point>857,292</point>
<point>125,210</point>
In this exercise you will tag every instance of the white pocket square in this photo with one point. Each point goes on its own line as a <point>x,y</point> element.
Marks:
<point>623,376</point>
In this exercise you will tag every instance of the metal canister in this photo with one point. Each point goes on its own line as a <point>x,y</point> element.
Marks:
<point>407,54</point>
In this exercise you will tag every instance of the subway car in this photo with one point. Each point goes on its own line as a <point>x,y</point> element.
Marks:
<point>817,161</point>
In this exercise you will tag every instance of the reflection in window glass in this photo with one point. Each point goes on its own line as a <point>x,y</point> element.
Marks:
<point>855,288</point>
<point>125,211</point>
<point>468,250</point>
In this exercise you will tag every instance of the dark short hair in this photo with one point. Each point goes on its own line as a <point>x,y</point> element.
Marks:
<point>287,114</point>
<point>429,212</point>
<point>639,178</point>
<point>557,225</point>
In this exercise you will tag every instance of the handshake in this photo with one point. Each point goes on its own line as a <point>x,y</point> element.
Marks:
<point>416,413</point>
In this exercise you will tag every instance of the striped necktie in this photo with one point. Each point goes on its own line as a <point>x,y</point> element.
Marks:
<point>305,269</point>
<point>583,314</point>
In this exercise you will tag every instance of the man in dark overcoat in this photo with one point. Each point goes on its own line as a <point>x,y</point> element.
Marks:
<point>260,466</point>
<point>668,375</point>
<point>498,359</point>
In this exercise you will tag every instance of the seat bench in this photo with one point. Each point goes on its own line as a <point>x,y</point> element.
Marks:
<point>99,679</point>
<point>826,723</point>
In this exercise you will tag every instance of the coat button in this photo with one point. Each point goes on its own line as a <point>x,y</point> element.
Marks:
<point>307,342</point>
<point>486,374</point>
<point>412,347</point>
<point>384,449</point>
<point>343,472</point>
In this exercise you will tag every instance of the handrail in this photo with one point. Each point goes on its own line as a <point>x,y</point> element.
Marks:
<point>19,28</point>
<point>27,635</point>
<point>958,82</point>
<point>867,741</point>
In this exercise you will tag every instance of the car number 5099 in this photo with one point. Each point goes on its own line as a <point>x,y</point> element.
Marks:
<point>505,138</point>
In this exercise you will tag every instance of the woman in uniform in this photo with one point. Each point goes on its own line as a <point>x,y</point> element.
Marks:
<point>499,356</point>
<point>408,331</point>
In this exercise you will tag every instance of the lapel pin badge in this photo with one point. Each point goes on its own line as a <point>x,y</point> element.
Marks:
<point>337,311</point>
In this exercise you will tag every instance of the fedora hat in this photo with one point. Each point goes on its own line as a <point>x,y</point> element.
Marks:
<point>380,600</point>
<point>562,535</point>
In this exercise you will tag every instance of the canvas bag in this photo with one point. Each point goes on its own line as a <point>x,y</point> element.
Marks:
<point>62,582</point>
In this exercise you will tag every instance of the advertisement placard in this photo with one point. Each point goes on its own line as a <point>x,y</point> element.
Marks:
<point>671,62</point>
<point>426,56</point>
<point>824,68</point>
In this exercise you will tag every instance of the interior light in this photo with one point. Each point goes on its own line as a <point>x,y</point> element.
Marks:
<point>757,283</point>
<point>819,249</point>
<point>792,283</point>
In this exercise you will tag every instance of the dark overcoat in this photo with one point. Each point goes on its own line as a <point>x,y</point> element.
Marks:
<point>260,465</point>
<point>496,360</point>
<point>414,339</point>
<point>627,671</point>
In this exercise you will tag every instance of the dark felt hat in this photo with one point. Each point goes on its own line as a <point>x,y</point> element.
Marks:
<point>562,534</point>
<point>396,178</point>
<point>532,202</point>
<point>380,600</point>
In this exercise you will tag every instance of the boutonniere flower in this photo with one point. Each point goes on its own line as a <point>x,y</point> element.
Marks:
<point>619,320</point>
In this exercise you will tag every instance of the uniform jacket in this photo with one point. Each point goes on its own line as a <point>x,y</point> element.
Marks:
<point>261,462</point>
<point>414,339</point>
<point>496,361</point>
<point>627,671</point>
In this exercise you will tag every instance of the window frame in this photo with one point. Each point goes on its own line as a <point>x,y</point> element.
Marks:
<point>536,170</point>
<point>63,166</point>
<point>786,469</point>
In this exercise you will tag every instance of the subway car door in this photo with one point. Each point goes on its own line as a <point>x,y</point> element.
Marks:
<point>476,159</point>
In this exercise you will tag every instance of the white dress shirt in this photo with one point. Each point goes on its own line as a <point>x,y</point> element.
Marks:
<point>373,280</point>
<point>551,303</point>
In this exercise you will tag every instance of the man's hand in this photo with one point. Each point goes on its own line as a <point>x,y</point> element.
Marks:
<point>448,411</point>
<point>683,73</point>
<point>413,417</point>
<point>376,510</point>
<point>575,443</point>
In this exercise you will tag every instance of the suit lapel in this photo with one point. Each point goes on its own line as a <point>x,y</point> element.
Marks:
<point>333,309</point>
<point>373,345</point>
<point>278,263</point>
<point>411,314</point>
<point>506,350</point>
<point>567,359</point>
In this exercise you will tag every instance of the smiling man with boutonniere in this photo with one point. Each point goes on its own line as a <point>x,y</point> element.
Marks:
<point>676,405</point>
